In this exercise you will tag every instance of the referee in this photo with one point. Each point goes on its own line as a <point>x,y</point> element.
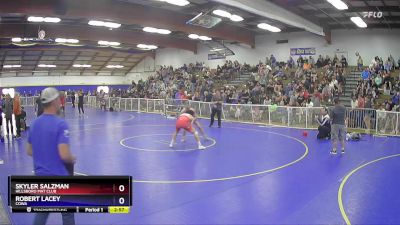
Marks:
<point>217,108</point>
<point>338,131</point>
<point>48,144</point>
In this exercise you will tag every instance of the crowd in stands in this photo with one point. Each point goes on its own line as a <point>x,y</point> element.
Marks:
<point>377,80</point>
<point>305,82</point>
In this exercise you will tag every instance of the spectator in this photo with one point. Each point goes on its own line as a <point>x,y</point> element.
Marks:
<point>1,119</point>
<point>387,87</point>
<point>267,101</point>
<point>290,63</point>
<point>320,62</point>
<point>311,61</point>
<point>17,113</point>
<point>8,111</point>
<point>354,103</point>
<point>344,62</point>
<point>48,144</point>
<point>80,102</point>
<point>62,101</point>
<point>365,75</point>
<point>396,99</point>
<point>398,63</point>
<point>361,102</point>
<point>378,80</point>
<point>392,63</point>
<point>360,63</point>
<point>23,118</point>
<point>38,107</point>
<point>388,65</point>
<point>273,61</point>
<point>73,99</point>
<point>300,62</point>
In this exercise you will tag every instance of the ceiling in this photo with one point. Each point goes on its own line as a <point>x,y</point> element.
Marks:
<point>323,13</point>
<point>136,14</point>
<point>64,59</point>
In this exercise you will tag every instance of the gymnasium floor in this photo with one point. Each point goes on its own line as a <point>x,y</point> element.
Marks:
<point>248,175</point>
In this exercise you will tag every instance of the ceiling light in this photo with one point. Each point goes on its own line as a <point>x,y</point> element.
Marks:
<point>147,47</point>
<point>64,40</point>
<point>193,36</point>
<point>111,43</point>
<point>205,38</point>
<point>236,18</point>
<point>102,42</point>
<point>114,43</point>
<point>176,2</point>
<point>73,41</point>
<point>47,66</point>
<point>82,65</point>
<point>104,24</point>
<point>268,27</point>
<point>17,39</point>
<point>359,22</point>
<point>339,4</point>
<point>112,25</point>
<point>44,19</point>
<point>51,20</point>
<point>150,29</point>
<point>60,40</point>
<point>115,66</point>
<point>222,13</point>
<point>96,23</point>
<point>156,30</point>
<point>11,66</point>
<point>163,31</point>
<point>152,47</point>
<point>35,19</point>
<point>141,46</point>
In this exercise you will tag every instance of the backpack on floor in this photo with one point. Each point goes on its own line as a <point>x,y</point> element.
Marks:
<point>111,109</point>
<point>353,137</point>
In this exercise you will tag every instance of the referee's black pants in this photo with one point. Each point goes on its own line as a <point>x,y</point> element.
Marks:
<point>218,112</point>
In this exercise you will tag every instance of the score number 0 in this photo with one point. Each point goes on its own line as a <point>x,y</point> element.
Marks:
<point>121,200</point>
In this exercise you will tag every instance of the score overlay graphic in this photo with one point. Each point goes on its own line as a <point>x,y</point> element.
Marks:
<point>89,194</point>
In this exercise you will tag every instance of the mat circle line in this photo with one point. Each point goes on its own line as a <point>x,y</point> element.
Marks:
<point>306,151</point>
<point>121,142</point>
<point>342,184</point>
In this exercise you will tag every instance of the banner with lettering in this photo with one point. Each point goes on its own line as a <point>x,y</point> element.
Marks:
<point>302,51</point>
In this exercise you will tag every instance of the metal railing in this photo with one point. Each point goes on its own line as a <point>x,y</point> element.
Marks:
<point>28,101</point>
<point>359,120</point>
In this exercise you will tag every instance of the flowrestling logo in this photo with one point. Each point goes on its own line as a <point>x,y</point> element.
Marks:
<point>373,15</point>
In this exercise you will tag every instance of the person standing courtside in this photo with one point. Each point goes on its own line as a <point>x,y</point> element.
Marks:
<point>73,99</point>
<point>80,102</point>
<point>17,113</point>
<point>8,111</point>
<point>62,100</point>
<point>338,131</point>
<point>216,108</point>
<point>38,107</point>
<point>1,119</point>
<point>48,144</point>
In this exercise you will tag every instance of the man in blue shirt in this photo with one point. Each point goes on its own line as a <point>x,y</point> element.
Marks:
<point>396,99</point>
<point>48,144</point>
<point>365,74</point>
